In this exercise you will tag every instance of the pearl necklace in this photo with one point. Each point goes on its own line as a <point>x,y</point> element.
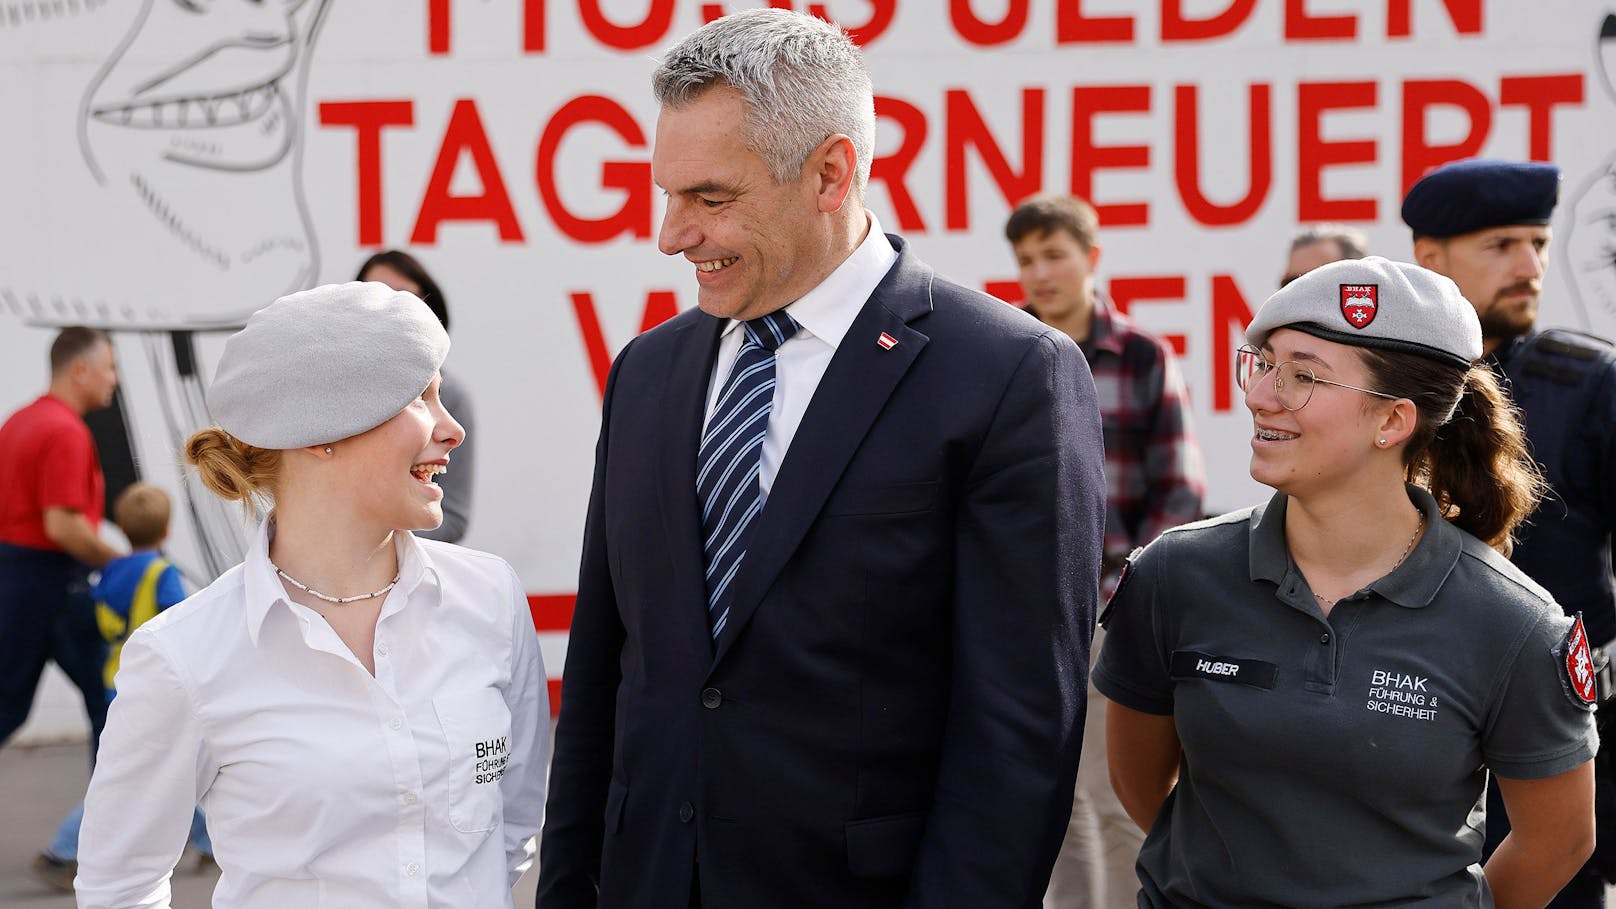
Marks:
<point>1400,559</point>
<point>340,601</point>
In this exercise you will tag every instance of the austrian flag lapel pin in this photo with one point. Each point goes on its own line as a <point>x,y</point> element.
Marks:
<point>1577,664</point>
<point>1359,302</point>
<point>886,341</point>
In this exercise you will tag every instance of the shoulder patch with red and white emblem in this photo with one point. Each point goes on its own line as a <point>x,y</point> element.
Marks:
<point>1577,666</point>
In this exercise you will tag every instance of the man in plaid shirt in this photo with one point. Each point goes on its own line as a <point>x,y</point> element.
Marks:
<point>1154,481</point>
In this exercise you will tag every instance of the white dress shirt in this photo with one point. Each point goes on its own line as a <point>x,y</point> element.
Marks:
<point>325,786</point>
<point>825,314</point>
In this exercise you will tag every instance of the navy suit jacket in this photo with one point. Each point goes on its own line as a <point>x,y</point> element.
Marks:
<point>893,714</point>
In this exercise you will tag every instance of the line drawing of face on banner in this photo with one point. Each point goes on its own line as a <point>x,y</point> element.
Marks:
<point>1590,246</point>
<point>164,190</point>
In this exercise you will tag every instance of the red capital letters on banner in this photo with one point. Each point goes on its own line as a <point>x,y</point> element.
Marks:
<point>465,134</point>
<point>1072,27</point>
<point>1127,291</point>
<point>1087,157</point>
<point>632,177</point>
<point>892,169</point>
<point>1419,95</point>
<point>964,126</point>
<point>648,31</point>
<point>660,306</point>
<point>881,13</point>
<point>1230,316</point>
<point>987,34</point>
<point>1465,15</point>
<point>1299,26</point>
<point>368,118</point>
<point>1175,26</point>
<point>1314,154</point>
<point>1540,95</point>
<point>1187,158</point>
<point>438,28</point>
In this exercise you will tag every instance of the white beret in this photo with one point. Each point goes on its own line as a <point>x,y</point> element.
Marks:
<point>1375,302</point>
<point>325,364</point>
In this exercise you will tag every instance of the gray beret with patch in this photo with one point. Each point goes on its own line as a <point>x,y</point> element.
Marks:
<point>1375,302</point>
<point>325,364</point>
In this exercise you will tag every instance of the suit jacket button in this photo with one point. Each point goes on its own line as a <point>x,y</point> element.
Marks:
<point>711,698</point>
<point>687,812</point>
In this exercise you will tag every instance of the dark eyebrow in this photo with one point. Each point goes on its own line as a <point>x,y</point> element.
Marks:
<point>1299,356</point>
<point>1305,356</point>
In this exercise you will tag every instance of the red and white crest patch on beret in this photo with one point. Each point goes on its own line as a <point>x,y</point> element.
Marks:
<point>1359,303</point>
<point>1578,662</point>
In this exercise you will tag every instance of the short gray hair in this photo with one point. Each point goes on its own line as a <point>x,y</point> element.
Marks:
<point>802,78</point>
<point>1354,243</point>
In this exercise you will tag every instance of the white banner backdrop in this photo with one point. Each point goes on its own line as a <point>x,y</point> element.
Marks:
<point>174,164</point>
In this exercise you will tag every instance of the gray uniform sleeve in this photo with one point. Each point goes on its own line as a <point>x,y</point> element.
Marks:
<point>1539,727</point>
<point>1133,668</point>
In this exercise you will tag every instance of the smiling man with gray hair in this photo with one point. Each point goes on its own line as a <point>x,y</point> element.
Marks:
<point>841,560</point>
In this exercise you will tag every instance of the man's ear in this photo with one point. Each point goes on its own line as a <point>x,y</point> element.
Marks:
<point>1430,252</point>
<point>833,165</point>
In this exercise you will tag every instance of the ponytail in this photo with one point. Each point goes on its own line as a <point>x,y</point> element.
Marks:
<point>1468,447</point>
<point>230,468</point>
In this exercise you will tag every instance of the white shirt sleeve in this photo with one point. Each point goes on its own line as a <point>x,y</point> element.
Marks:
<point>147,779</point>
<point>527,696</point>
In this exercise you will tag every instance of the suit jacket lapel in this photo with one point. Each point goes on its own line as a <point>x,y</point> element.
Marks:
<point>855,387</point>
<point>684,406</point>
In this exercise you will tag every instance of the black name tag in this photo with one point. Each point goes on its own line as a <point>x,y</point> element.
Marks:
<point>1193,664</point>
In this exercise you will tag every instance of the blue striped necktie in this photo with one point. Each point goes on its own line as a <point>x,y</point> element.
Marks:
<point>731,456</point>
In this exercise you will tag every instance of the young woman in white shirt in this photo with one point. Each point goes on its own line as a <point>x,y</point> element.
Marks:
<point>362,714</point>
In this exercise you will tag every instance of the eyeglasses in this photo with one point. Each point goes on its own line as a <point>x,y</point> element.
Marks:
<point>1293,382</point>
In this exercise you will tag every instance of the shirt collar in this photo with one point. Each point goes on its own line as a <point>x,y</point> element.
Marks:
<point>263,590</point>
<point>1507,351</point>
<point>828,311</point>
<point>1412,585</point>
<point>1103,333</point>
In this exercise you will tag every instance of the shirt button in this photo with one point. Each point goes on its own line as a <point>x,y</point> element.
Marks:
<point>1324,638</point>
<point>711,698</point>
<point>410,798</point>
<point>412,869</point>
<point>687,812</point>
<point>381,649</point>
<point>396,723</point>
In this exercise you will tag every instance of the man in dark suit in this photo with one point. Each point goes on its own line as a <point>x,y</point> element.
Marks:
<point>840,564</point>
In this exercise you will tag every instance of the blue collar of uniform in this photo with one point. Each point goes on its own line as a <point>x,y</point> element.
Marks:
<point>262,589</point>
<point>1509,350</point>
<point>1412,585</point>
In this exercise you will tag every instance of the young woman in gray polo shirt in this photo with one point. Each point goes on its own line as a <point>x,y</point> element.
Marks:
<point>1307,695</point>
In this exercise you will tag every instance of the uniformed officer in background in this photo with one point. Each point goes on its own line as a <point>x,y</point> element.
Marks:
<point>1485,224</point>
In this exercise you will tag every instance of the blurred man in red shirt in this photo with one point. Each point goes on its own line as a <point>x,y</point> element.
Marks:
<point>51,493</point>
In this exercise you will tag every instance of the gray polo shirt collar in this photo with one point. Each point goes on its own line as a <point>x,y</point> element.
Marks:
<point>1412,584</point>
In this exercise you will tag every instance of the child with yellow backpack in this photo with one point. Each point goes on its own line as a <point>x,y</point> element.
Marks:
<point>132,589</point>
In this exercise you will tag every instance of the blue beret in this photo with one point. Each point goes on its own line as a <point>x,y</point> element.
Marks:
<point>1475,194</point>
